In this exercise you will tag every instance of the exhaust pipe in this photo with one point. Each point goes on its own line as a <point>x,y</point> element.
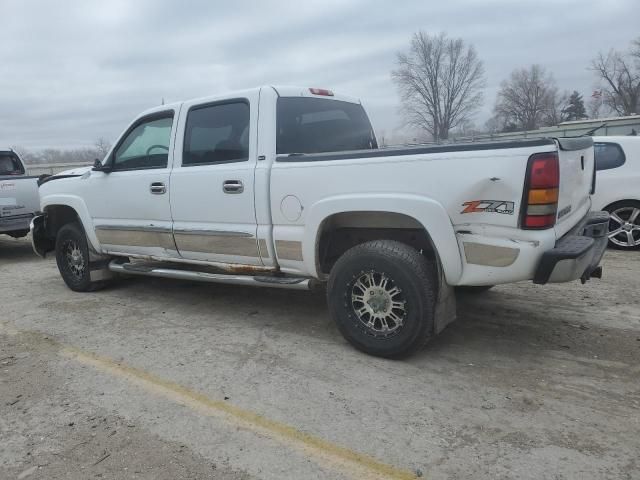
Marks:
<point>291,283</point>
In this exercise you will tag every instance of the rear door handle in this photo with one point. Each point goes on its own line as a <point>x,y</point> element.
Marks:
<point>158,188</point>
<point>232,186</point>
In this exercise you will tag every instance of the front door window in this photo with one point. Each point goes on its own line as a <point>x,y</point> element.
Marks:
<point>146,146</point>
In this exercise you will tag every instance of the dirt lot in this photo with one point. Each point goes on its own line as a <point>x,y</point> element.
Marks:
<point>160,379</point>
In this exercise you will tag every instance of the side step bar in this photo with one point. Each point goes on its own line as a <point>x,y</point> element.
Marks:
<point>292,283</point>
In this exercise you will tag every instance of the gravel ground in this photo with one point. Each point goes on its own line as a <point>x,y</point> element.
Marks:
<point>163,379</point>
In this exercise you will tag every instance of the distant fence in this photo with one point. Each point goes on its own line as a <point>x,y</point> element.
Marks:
<point>51,168</point>
<point>608,126</point>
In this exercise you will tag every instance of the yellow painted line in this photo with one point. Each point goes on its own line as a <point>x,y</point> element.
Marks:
<point>356,465</point>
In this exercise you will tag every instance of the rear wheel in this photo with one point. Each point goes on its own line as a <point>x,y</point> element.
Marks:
<point>381,295</point>
<point>72,257</point>
<point>624,225</point>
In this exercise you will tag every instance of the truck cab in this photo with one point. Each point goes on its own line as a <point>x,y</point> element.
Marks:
<point>19,198</point>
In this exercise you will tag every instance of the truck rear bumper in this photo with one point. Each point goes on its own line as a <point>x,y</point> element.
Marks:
<point>576,255</point>
<point>15,223</point>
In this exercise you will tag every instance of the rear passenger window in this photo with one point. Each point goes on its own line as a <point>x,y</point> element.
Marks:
<point>608,155</point>
<point>217,134</point>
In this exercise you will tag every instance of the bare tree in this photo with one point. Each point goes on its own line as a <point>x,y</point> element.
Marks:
<point>620,77</point>
<point>440,81</point>
<point>529,99</point>
<point>102,146</point>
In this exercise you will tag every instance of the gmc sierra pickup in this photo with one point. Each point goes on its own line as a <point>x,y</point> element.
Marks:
<point>19,198</point>
<point>286,187</point>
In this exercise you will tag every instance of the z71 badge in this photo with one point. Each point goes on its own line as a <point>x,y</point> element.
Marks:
<point>488,206</point>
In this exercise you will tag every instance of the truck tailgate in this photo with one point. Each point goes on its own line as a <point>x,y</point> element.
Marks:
<point>18,196</point>
<point>576,177</point>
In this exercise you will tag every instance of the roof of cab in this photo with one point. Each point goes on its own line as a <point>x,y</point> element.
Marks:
<point>291,91</point>
<point>281,91</point>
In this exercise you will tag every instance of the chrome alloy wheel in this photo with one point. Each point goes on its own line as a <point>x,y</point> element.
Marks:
<point>378,303</point>
<point>74,258</point>
<point>624,227</point>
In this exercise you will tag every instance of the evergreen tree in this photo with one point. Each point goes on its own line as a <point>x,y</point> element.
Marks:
<point>575,108</point>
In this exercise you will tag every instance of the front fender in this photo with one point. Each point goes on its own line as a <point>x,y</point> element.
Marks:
<point>81,210</point>
<point>426,211</point>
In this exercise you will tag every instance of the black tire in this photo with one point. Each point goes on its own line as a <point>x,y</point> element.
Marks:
<point>404,268</point>
<point>474,289</point>
<point>624,208</point>
<point>72,257</point>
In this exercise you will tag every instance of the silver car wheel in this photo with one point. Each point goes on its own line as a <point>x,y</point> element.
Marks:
<point>378,303</point>
<point>624,227</point>
<point>74,257</point>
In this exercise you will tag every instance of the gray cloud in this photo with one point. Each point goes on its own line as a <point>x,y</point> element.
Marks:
<point>75,71</point>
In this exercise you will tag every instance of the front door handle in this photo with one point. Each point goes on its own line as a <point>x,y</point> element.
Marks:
<point>158,188</point>
<point>233,186</point>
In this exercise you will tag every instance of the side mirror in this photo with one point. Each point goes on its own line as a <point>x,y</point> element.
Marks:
<point>98,167</point>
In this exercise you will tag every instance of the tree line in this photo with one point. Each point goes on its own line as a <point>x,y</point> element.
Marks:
<point>54,155</point>
<point>441,81</point>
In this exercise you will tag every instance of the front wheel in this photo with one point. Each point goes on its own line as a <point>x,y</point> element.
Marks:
<point>72,257</point>
<point>381,295</point>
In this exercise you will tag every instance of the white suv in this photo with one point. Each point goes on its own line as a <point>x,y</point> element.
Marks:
<point>618,188</point>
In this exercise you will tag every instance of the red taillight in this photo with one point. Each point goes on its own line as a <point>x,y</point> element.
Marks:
<point>321,91</point>
<point>544,171</point>
<point>539,221</point>
<point>540,199</point>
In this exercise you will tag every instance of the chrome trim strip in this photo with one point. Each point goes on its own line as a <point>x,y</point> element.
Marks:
<point>489,255</point>
<point>289,250</point>
<point>212,233</point>
<point>244,246</point>
<point>134,228</point>
<point>136,237</point>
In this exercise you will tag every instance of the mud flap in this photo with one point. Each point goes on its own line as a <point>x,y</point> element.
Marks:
<point>445,310</point>
<point>40,242</point>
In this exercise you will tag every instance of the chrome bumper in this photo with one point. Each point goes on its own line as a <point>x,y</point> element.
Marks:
<point>14,223</point>
<point>577,255</point>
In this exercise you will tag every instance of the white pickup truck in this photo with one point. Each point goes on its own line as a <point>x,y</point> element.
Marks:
<point>286,187</point>
<point>19,199</point>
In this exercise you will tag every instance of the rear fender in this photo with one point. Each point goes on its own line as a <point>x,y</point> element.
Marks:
<point>426,211</point>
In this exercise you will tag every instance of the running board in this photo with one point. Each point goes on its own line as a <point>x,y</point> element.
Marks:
<point>292,283</point>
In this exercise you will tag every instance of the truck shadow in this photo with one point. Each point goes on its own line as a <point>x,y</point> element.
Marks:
<point>496,323</point>
<point>15,250</point>
<point>505,327</point>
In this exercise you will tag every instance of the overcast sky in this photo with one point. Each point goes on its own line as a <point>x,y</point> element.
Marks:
<point>71,72</point>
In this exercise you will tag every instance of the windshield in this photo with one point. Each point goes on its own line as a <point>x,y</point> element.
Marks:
<point>9,164</point>
<point>315,125</point>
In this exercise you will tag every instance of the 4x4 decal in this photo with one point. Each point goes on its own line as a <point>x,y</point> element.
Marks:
<point>489,206</point>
